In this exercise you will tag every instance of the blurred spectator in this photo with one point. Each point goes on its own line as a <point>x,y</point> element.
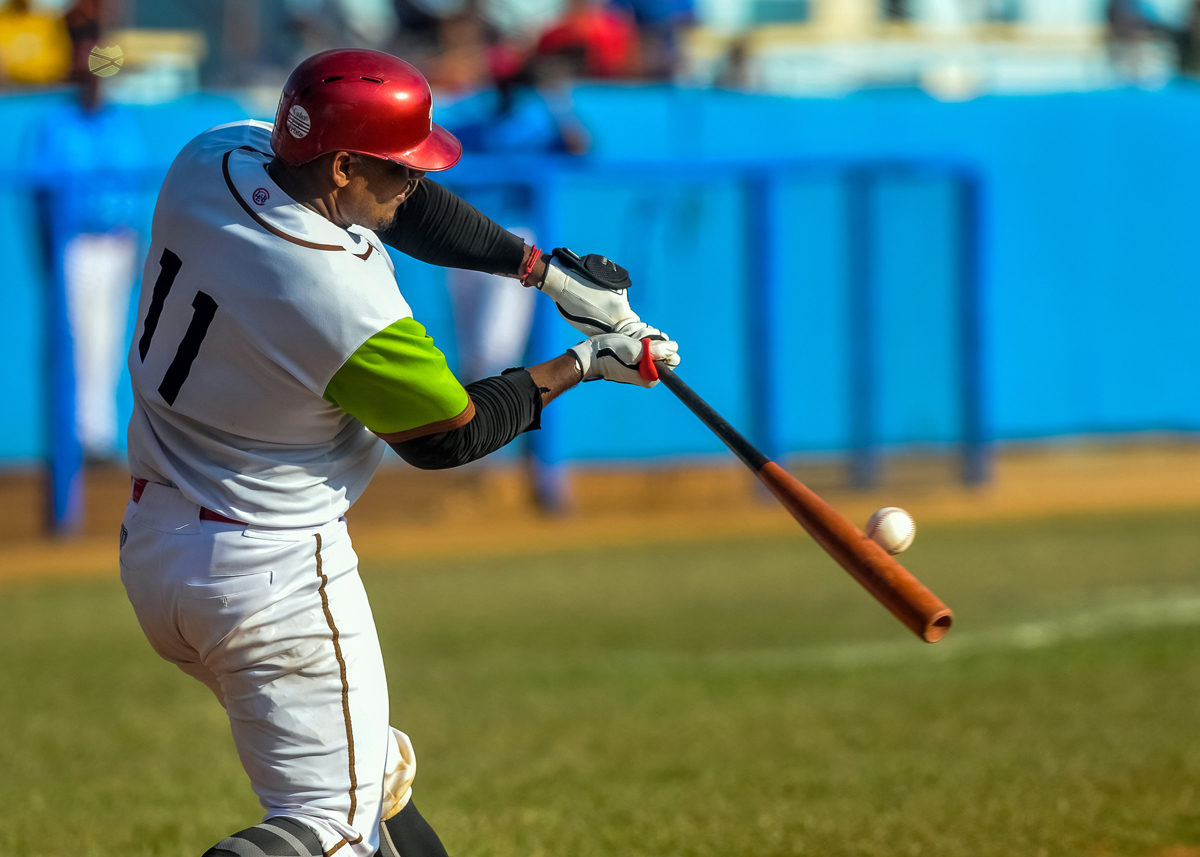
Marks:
<point>493,315</point>
<point>1003,10</point>
<point>528,112</point>
<point>371,23</point>
<point>660,23</point>
<point>315,25</point>
<point>604,35</point>
<point>1189,42</point>
<point>462,63</point>
<point>260,41</point>
<point>1133,29</point>
<point>241,43</point>
<point>417,31</point>
<point>84,21</point>
<point>34,46</point>
<point>734,71</point>
<point>87,157</point>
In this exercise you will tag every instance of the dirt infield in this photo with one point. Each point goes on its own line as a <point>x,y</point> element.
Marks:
<point>486,511</point>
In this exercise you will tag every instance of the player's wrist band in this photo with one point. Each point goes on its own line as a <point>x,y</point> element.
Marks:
<point>528,267</point>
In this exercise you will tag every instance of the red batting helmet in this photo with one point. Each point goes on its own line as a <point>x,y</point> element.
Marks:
<point>361,101</point>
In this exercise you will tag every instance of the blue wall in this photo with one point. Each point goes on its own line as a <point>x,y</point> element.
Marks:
<point>163,131</point>
<point>1094,200</point>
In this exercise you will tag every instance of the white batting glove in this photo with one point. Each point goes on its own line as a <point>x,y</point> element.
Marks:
<point>591,294</point>
<point>617,357</point>
<point>640,330</point>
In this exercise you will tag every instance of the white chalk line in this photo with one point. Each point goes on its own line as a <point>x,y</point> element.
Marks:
<point>1133,612</point>
<point>1108,620</point>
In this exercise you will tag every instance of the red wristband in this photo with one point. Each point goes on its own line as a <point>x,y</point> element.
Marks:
<point>528,267</point>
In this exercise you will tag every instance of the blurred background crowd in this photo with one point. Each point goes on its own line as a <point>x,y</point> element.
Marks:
<point>954,48</point>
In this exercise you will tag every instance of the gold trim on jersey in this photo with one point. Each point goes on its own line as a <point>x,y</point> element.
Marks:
<point>468,414</point>
<point>275,230</point>
<point>337,651</point>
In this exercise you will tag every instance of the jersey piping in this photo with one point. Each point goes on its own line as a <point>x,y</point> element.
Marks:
<point>274,230</point>
<point>451,424</point>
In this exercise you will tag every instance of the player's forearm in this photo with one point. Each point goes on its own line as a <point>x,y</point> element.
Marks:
<point>437,226</point>
<point>556,376</point>
<point>505,406</point>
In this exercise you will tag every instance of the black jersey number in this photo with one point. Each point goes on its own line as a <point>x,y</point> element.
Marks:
<point>204,308</point>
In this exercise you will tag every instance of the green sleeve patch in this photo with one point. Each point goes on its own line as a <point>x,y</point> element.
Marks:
<point>398,383</point>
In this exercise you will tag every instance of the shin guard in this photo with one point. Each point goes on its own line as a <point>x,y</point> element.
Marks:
<point>275,837</point>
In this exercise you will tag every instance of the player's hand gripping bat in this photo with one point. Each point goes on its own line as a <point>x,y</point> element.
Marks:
<point>868,563</point>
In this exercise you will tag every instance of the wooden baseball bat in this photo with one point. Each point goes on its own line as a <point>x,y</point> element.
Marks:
<point>878,572</point>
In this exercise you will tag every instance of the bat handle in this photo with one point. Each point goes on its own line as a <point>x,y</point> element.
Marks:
<point>646,367</point>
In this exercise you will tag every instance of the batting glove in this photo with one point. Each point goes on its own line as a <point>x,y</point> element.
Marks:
<point>615,357</point>
<point>591,294</point>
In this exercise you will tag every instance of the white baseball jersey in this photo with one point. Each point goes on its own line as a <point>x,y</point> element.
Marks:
<point>267,336</point>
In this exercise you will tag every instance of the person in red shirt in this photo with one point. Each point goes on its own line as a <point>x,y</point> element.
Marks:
<point>605,36</point>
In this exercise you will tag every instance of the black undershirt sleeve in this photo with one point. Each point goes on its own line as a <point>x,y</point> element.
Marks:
<point>437,226</point>
<point>505,406</point>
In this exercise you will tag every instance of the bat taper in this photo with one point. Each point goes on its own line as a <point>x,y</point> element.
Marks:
<point>877,571</point>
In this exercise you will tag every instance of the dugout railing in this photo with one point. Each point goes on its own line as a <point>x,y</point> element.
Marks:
<point>546,179</point>
<point>763,184</point>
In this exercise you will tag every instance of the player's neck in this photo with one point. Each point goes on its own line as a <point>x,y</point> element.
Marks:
<point>307,190</point>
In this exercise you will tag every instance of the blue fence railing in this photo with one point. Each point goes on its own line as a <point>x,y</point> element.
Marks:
<point>762,185</point>
<point>1037,282</point>
<point>766,322</point>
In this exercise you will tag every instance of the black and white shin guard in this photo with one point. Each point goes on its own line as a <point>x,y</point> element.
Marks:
<point>407,834</point>
<point>275,837</point>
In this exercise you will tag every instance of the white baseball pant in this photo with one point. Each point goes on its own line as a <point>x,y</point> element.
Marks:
<point>276,622</point>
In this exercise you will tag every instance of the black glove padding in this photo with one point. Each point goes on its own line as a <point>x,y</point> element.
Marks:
<point>599,270</point>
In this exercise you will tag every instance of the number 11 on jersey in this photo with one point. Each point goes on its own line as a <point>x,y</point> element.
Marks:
<point>204,309</point>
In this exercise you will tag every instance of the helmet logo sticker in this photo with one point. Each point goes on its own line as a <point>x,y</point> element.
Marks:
<point>298,122</point>
<point>260,196</point>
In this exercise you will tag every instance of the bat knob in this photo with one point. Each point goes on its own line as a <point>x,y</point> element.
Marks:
<point>646,367</point>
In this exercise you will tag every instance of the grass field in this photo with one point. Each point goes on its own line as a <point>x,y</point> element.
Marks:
<point>735,698</point>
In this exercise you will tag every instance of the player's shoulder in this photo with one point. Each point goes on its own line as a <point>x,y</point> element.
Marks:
<point>215,142</point>
<point>240,133</point>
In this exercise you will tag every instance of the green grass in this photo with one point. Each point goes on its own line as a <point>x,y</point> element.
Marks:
<point>739,698</point>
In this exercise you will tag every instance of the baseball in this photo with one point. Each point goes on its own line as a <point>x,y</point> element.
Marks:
<point>892,529</point>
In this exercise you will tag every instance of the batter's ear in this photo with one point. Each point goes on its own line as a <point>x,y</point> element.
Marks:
<point>340,168</point>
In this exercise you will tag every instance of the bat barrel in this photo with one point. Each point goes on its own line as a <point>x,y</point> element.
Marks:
<point>876,570</point>
<point>881,575</point>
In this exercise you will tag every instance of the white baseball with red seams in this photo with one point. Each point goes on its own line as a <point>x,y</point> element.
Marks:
<point>892,529</point>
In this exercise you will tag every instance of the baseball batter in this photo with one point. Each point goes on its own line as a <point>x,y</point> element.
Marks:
<point>273,358</point>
